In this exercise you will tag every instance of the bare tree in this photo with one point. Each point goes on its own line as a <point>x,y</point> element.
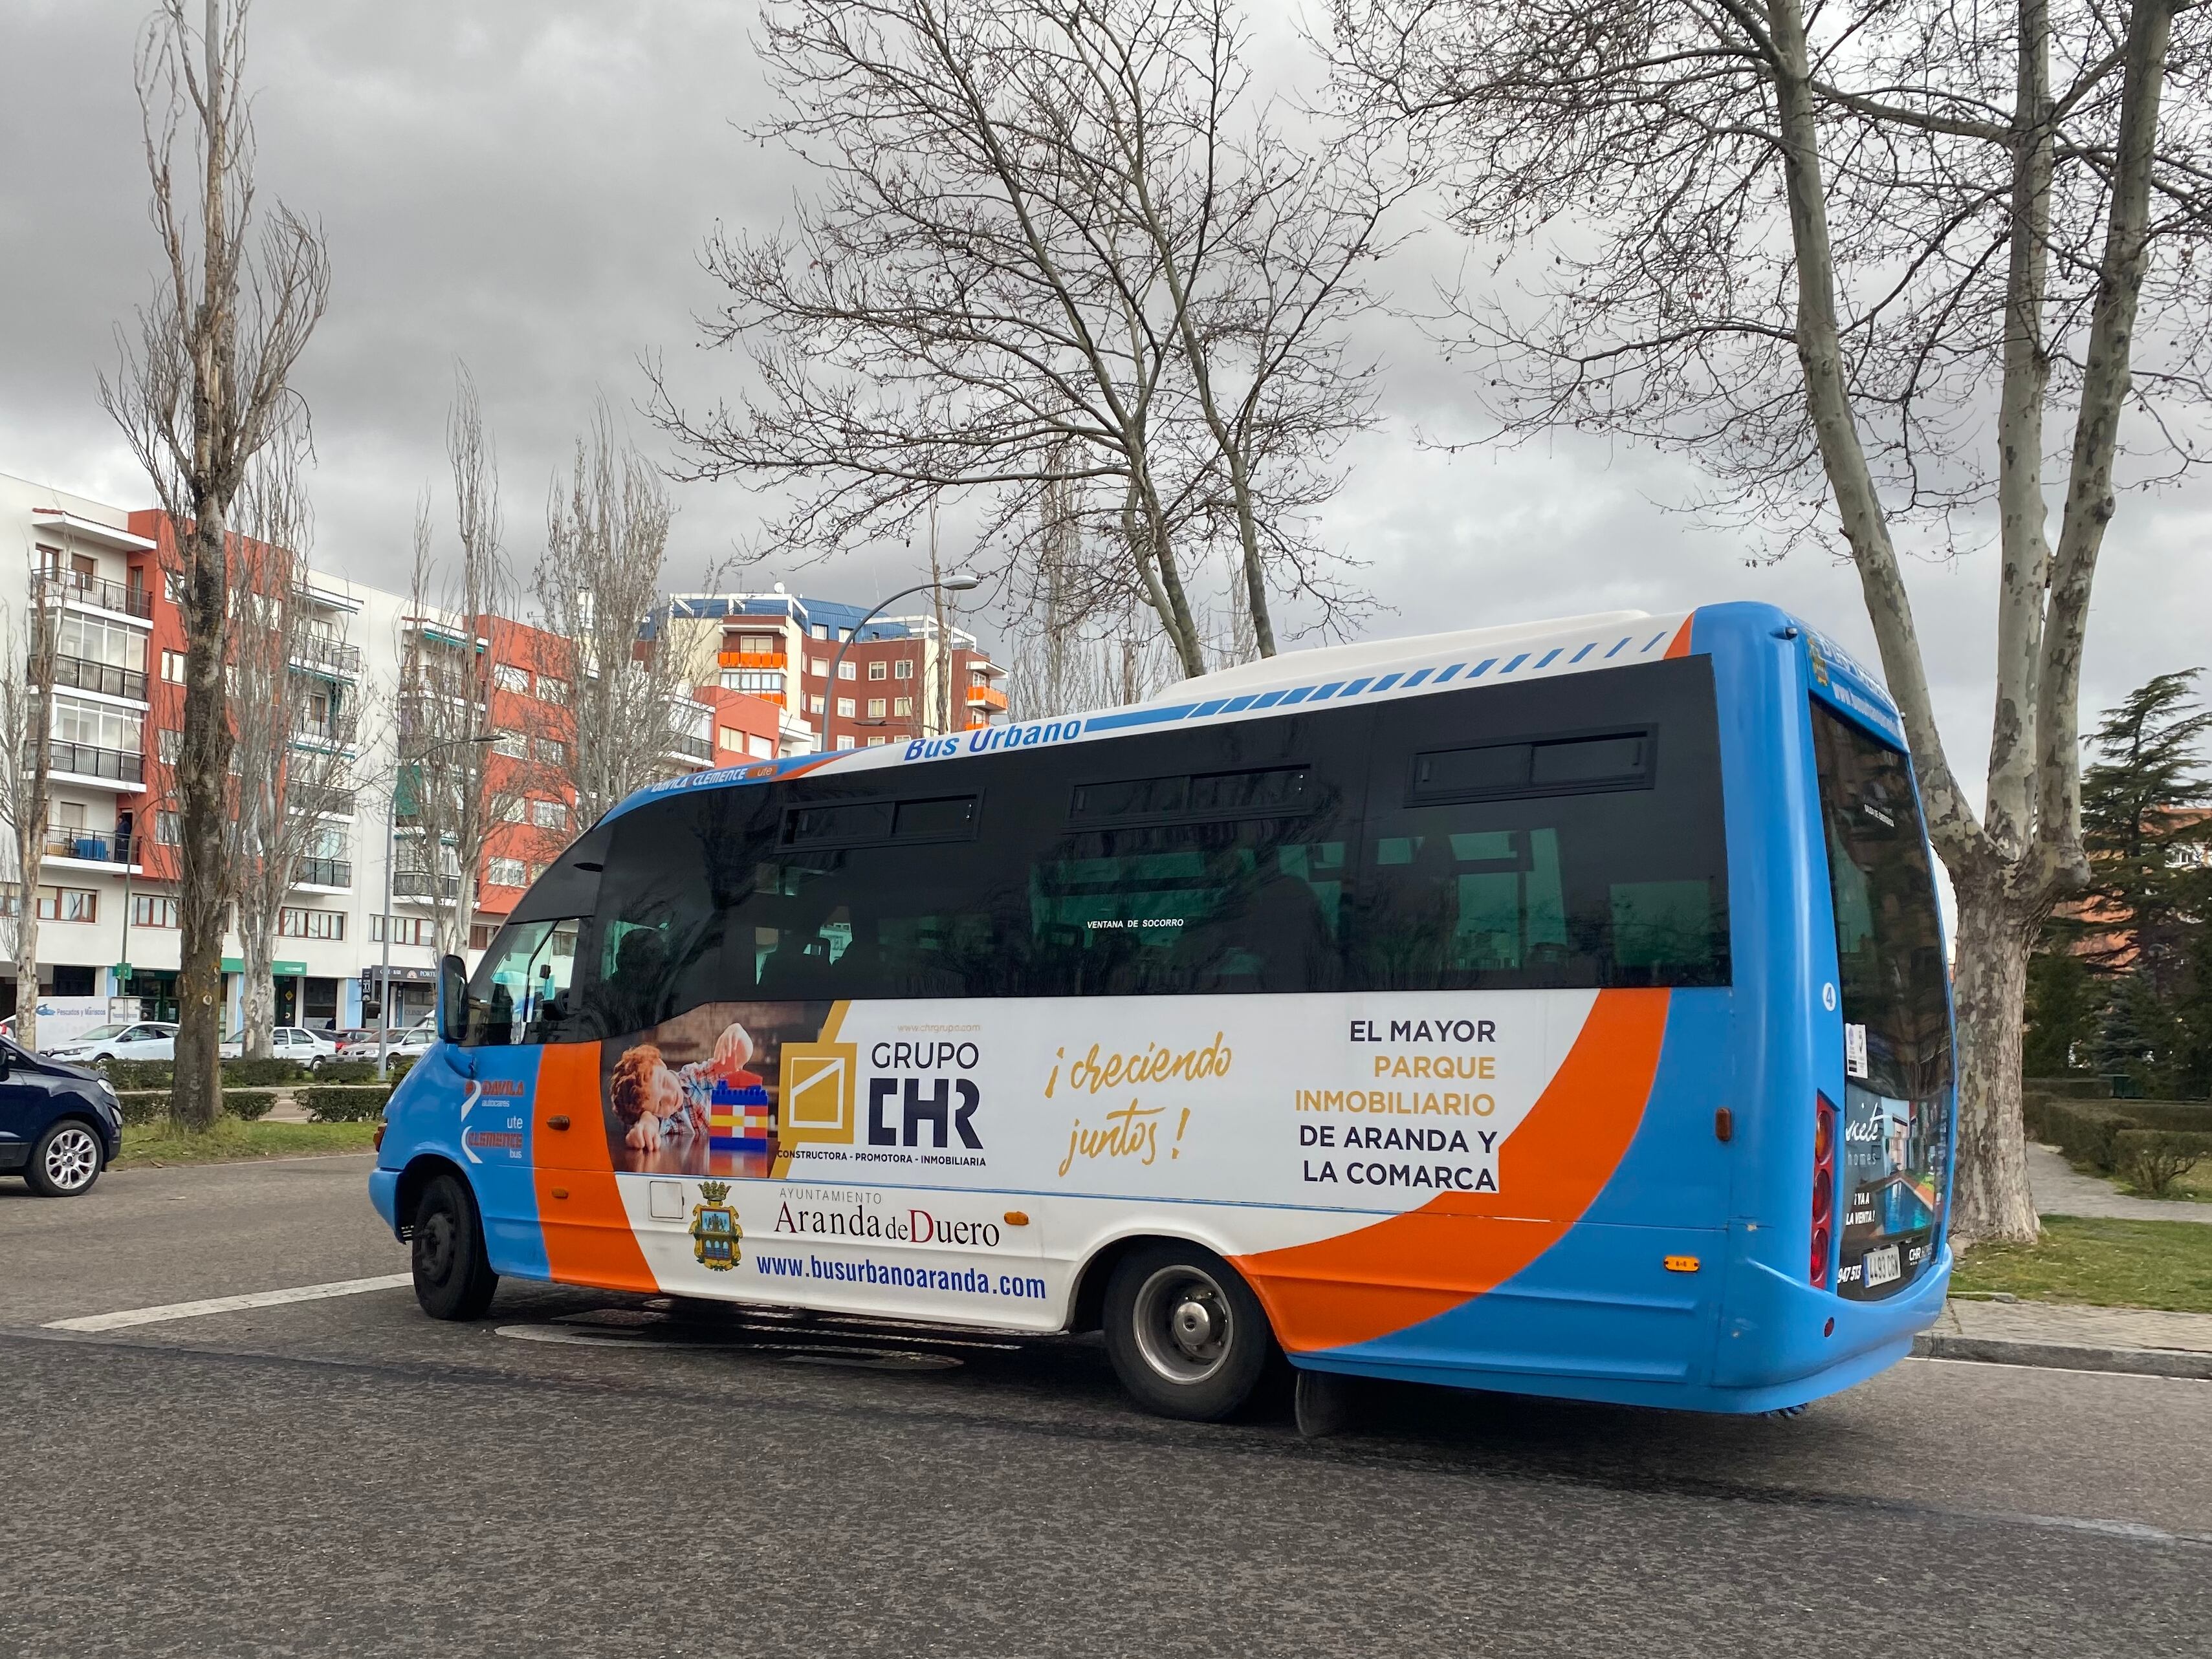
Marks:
<point>454,791</point>
<point>294,724</point>
<point>1058,245</point>
<point>1852,260</point>
<point>28,666</point>
<point>203,388</point>
<point>606,547</point>
<point>1066,661</point>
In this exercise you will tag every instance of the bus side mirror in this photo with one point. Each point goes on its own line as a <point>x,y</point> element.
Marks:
<point>453,999</point>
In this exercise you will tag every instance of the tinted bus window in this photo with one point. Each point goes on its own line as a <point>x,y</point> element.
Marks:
<point>1566,834</point>
<point>1896,1010</point>
<point>1592,857</point>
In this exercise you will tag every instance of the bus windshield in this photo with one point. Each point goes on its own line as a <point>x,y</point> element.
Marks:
<point>1896,1010</point>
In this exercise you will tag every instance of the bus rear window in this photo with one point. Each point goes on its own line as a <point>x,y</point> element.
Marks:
<point>1895,1009</point>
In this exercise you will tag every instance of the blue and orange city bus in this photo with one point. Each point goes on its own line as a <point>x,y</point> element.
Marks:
<point>1558,1009</point>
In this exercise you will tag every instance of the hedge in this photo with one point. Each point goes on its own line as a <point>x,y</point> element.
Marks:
<point>2153,1159</point>
<point>2079,1088</point>
<point>139,1074</point>
<point>345,1103</point>
<point>262,1073</point>
<point>143,1106</point>
<point>2087,1131</point>
<point>346,1071</point>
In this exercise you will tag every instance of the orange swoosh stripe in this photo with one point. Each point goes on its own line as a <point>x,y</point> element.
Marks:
<point>1679,644</point>
<point>1336,1292</point>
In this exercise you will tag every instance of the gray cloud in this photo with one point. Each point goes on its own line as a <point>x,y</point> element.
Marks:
<point>527,186</point>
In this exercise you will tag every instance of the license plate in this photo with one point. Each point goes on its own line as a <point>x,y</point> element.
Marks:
<point>1881,1266</point>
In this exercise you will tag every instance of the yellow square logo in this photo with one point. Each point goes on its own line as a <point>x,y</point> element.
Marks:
<point>818,1092</point>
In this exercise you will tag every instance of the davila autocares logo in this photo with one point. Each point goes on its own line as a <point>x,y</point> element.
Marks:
<point>714,1229</point>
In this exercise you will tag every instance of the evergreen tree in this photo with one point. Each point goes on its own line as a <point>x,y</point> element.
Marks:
<point>2122,981</point>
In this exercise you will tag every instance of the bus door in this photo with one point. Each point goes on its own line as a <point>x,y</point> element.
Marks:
<point>1550,859</point>
<point>520,1078</point>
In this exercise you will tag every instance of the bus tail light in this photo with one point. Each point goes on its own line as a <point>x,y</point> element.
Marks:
<point>1824,1187</point>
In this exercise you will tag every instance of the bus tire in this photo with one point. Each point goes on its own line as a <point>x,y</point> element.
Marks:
<point>453,1278</point>
<point>1186,1336</point>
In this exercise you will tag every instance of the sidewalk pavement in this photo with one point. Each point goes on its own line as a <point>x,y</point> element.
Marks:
<point>2140,1341</point>
<point>2061,1189</point>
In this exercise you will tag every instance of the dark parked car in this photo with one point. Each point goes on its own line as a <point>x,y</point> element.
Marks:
<point>59,1123</point>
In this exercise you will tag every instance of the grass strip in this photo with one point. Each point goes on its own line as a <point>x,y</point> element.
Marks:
<point>152,1145</point>
<point>2102,1261</point>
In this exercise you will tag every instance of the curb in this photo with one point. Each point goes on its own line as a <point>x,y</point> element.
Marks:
<point>1996,1351</point>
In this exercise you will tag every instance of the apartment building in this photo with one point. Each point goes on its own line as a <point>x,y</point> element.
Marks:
<point>901,678</point>
<point>106,894</point>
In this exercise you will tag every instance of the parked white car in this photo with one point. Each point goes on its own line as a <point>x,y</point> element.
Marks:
<point>414,1043</point>
<point>296,1042</point>
<point>141,1039</point>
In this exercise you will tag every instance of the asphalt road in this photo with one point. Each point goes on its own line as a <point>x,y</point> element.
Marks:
<point>583,1474</point>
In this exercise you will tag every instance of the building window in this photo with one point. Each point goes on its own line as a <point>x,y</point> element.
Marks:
<point>820,630</point>
<point>480,935</point>
<point>507,873</point>
<point>167,743</point>
<point>848,670</point>
<point>552,751</point>
<point>153,910</point>
<point>67,904</point>
<point>553,689</point>
<point>845,707</point>
<point>818,666</point>
<point>508,678</point>
<point>814,705</point>
<point>759,645</point>
<point>510,810</point>
<point>551,815</point>
<point>903,707</point>
<point>165,829</point>
<point>404,929</point>
<point>879,671</point>
<point>98,726</point>
<point>756,681</point>
<point>295,924</point>
<point>172,666</point>
<point>905,668</point>
<point>512,744</point>
<point>844,743</point>
<point>761,747</point>
<point>877,742</point>
<point>875,708</point>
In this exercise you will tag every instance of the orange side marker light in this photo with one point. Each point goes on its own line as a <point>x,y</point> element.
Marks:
<point>1017,1218</point>
<point>1681,1264</point>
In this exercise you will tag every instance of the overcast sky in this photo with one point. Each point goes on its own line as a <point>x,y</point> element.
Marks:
<point>525,185</point>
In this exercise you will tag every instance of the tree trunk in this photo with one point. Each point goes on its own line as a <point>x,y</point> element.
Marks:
<point>26,957</point>
<point>257,999</point>
<point>201,774</point>
<point>1989,1199</point>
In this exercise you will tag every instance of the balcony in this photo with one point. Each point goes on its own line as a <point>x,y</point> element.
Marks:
<point>421,884</point>
<point>79,673</point>
<point>987,696</point>
<point>324,803</point>
<point>84,847</point>
<point>753,659</point>
<point>685,746</point>
<point>85,760</point>
<point>67,584</point>
<point>333,656</point>
<point>323,873</point>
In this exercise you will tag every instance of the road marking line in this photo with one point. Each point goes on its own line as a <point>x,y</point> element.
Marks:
<point>260,1299</point>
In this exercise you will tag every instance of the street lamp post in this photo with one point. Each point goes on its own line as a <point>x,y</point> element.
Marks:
<point>391,847</point>
<point>958,582</point>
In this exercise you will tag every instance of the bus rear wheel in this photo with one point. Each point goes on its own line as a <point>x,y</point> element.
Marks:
<point>1186,1336</point>
<point>453,1278</point>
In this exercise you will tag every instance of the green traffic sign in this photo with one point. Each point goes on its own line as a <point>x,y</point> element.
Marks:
<point>121,969</point>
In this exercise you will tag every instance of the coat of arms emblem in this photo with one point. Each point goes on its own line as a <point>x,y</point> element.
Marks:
<point>714,1229</point>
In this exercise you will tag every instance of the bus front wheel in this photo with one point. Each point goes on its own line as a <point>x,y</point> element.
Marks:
<point>453,1278</point>
<point>1186,1336</point>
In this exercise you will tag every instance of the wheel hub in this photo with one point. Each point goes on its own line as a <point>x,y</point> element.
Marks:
<point>1195,1326</point>
<point>72,1158</point>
